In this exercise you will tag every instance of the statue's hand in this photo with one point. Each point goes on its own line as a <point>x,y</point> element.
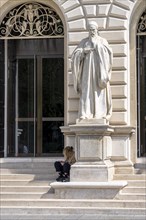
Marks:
<point>88,50</point>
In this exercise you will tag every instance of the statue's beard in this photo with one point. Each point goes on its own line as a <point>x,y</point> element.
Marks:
<point>93,38</point>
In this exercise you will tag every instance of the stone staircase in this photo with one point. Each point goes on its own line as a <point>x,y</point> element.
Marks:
<point>25,193</point>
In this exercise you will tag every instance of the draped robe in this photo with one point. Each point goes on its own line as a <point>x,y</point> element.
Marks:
<point>92,73</point>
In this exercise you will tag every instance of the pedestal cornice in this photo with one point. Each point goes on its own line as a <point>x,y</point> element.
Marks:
<point>98,129</point>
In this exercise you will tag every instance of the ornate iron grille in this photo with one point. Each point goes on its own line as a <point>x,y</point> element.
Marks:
<point>142,23</point>
<point>31,20</point>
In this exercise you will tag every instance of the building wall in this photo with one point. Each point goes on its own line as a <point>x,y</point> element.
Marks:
<point>117,23</point>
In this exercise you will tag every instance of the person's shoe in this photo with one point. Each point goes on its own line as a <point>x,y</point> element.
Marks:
<point>65,179</point>
<point>59,178</point>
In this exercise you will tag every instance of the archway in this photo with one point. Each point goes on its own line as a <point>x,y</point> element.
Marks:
<point>33,38</point>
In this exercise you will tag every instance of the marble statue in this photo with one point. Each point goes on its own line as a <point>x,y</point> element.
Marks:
<point>91,68</point>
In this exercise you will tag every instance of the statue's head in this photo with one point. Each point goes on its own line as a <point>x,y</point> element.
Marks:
<point>93,28</point>
<point>92,23</point>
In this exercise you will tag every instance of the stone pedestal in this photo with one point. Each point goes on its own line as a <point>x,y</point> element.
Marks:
<point>92,172</point>
<point>93,147</point>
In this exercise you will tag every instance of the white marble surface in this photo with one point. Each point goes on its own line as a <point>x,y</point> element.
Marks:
<point>90,185</point>
<point>90,190</point>
<point>91,68</point>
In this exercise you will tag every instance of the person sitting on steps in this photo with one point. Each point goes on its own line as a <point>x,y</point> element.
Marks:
<point>63,167</point>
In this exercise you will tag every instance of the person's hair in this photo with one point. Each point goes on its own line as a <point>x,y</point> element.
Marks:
<point>67,151</point>
<point>69,154</point>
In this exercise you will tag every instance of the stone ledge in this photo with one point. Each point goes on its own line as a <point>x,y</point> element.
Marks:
<point>92,121</point>
<point>29,159</point>
<point>90,185</point>
<point>87,190</point>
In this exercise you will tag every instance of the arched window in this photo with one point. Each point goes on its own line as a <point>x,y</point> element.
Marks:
<point>141,28</point>
<point>31,20</point>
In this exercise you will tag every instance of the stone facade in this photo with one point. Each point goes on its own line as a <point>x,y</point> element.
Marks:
<point>117,21</point>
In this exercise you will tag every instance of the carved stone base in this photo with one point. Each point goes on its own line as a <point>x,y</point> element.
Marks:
<point>92,171</point>
<point>92,142</point>
<point>93,151</point>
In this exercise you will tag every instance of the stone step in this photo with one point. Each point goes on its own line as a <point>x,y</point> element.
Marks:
<point>28,188</point>
<point>27,177</point>
<point>25,182</point>
<point>28,171</point>
<point>49,202</point>
<point>17,176</point>
<point>141,164</point>
<point>129,177</point>
<point>12,210</point>
<point>131,183</point>
<point>129,170</point>
<point>24,196</point>
<point>131,196</point>
<point>137,183</point>
<point>124,170</point>
<point>50,194</point>
<point>72,217</point>
<point>28,163</point>
<point>15,182</point>
<point>140,171</point>
<point>134,190</point>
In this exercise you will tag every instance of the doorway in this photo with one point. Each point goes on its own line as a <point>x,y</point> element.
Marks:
<point>141,94</point>
<point>35,97</point>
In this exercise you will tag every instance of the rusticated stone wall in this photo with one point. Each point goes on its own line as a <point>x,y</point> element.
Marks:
<point>113,20</point>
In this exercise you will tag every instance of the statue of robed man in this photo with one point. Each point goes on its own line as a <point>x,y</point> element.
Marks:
<point>91,68</point>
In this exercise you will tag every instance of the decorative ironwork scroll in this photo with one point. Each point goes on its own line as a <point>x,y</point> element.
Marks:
<point>31,20</point>
<point>142,23</point>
